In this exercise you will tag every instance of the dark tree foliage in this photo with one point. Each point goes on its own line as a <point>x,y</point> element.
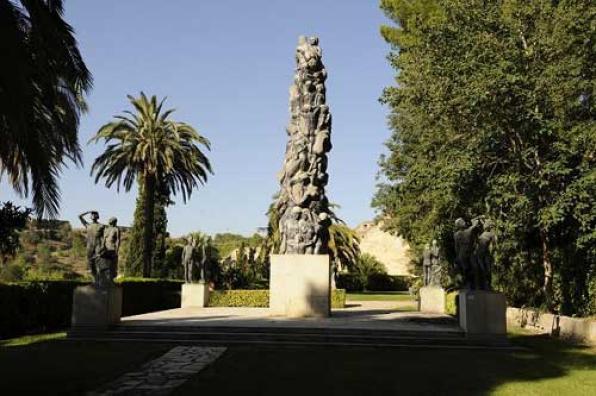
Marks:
<point>12,220</point>
<point>42,82</point>
<point>493,114</point>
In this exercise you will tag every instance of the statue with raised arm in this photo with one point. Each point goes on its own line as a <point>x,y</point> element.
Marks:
<point>107,252</point>
<point>94,240</point>
<point>465,238</point>
<point>302,204</point>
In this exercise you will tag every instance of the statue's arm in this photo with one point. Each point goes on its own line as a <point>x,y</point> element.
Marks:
<point>82,218</point>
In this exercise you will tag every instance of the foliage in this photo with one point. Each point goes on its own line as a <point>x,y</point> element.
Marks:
<point>493,114</point>
<point>42,82</point>
<point>451,303</point>
<point>367,265</point>
<point>12,220</point>
<point>373,282</point>
<point>164,155</point>
<point>239,298</point>
<point>344,246</point>
<point>259,298</point>
<point>30,307</point>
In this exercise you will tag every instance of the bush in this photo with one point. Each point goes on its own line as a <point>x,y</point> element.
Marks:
<point>142,295</point>
<point>260,298</point>
<point>338,298</point>
<point>239,298</point>
<point>350,282</point>
<point>451,303</point>
<point>41,306</point>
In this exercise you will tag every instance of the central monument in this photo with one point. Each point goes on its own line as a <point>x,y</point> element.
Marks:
<point>300,272</point>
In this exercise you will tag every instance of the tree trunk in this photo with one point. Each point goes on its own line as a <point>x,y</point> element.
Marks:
<point>548,270</point>
<point>148,232</point>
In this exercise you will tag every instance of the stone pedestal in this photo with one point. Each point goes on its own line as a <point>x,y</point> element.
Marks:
<point>95,307</point>
<point>300,285</point>
<point>432,300</point>
<point>195,295</point>
<point>482,313</point>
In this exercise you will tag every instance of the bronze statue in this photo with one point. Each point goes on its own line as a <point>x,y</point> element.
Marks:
<point>93,238</point>
<point>464,239</point>
<point>188,258</point>
<point>426,264</point>
<point>483,259</point>
<point>107,261</point>
<point>304,174</point>
<point>473,258</point>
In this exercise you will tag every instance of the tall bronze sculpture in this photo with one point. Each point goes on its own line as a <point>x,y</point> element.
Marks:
<point>188,259</point>
<point>302,204</point>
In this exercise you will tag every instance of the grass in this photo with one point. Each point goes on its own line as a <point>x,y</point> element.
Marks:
<point>49,365</point>
<point>548,367</point>
<point>379,296</point>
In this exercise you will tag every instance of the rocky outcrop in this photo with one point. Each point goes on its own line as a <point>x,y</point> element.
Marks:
<point>391,250</point>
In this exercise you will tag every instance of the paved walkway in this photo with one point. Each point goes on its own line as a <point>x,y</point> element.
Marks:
<point>164,374</point>
<point>378,315</point>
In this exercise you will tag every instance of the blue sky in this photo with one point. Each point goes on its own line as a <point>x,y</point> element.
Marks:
<point>226,66</point>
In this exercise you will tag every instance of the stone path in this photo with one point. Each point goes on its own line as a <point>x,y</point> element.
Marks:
<point>164,374</point>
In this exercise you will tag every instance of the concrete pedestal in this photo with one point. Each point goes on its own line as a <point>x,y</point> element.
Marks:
<point>482,313</point>
<point>94,307</point>
<point>195,295</point>
<point>432,300</point>
<point>300,285</point>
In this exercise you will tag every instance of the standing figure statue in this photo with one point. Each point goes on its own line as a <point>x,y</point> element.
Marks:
<point>464,239</point>
<point>94,231</point>
<point>426,264</point>
<point>188,258</point>
<point>204,252</point>
<point>435,268</point>
<point>107,261</point>
<point>483,259</point>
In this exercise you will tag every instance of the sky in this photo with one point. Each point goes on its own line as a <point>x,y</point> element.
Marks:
<point>226,67</point>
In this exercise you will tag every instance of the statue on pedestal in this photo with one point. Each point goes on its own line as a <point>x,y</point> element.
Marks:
<point>93,239</point>
<point>431,264</point>
<point>483,259</point>
<point>426,264</point>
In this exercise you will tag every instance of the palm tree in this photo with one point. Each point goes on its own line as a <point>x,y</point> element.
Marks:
<point>163,155</point>
<point>344,246</point>
<point>42,82</point>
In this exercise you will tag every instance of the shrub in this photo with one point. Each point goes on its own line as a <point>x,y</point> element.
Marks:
<point>451,303</point>
<point>239,298</point>
<point>350,282</point>
<point>338,298</point>
<point>260,298</point>
<point>142,295</point>
<point>384,282</point>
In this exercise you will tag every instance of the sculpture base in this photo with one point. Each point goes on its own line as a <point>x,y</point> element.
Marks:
<point>95,307</point>
<point>432,300</point>
<point>195,295</point>
<point>300,285</point>
<point>482,312</point>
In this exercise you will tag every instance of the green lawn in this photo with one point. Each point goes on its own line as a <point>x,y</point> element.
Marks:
<point>379,296</point>
<point>50,365</point>
<point>548,368</point>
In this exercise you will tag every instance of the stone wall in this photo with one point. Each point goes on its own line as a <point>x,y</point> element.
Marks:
<point>390,250</point>
<point>576,329</point>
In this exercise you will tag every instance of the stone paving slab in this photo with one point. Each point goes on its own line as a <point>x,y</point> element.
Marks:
<point>378,315</point>
<point>164,374</point>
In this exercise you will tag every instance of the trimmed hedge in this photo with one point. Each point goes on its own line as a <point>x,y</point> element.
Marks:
<point>374,282</point>
<point>41,306</point>
<point>260,298</point>
<point>451,303</point>
<point>239,298</point>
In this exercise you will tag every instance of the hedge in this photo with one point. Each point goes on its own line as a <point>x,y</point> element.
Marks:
<point>260,298</point>
<point>41,306</point>
<point>374,282</point>
<point>451,303</point>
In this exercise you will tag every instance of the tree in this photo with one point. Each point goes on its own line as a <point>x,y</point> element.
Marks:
<point>493,114</point>
<point>42,82</point>
<point>164,155</point>
<point>12,220</point>
<point>344,246</point>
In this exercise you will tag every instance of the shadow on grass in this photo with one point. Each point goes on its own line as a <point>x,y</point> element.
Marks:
<point>51,365</point>
<point>547,367</point>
